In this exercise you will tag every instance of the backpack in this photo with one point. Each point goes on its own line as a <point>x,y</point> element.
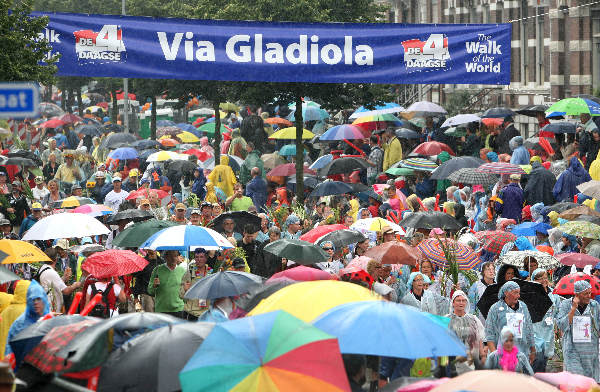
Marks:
<point>103,308</point>
<point>37,275</point>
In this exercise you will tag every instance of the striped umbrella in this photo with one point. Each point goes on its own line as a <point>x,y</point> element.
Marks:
<point>466,257</point>
<point>500,168</point>
<point>494,240</point>
<point>418,164</point>
<point>378,121</point>
<point>469,175</point>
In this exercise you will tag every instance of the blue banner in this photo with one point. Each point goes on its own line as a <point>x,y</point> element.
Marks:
<point>139,47</point>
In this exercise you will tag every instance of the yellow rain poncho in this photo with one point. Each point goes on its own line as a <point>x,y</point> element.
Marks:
<point>595,169</point>
<point>223,176</point>
<point>12,312</point>
<point>5,300</point>
<point>211,195</point>
<point>354,206</point>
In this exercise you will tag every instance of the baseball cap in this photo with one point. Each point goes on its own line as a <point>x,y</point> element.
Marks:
<point>75,186</point>
<point>205,204</point>
<point>39,180</point>
<point>134,173</point>
<point>145,202</point>
<point>195,211</point>
<point>100,174</point>
<point>116,178</point>
<point>4,222</point>
<point>36,206</point>
<point>387,230</point>
<point>180,206</point>
<point>238,262</point>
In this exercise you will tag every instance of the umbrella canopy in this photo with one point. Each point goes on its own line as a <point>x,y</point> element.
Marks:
<point>454,164</point>
<point>581,229</point>
<point>404,133</point>
<point>235,163</point>
<point>301,252</point>
<point>165,132</point>
<point>497,112</point>
<point>288,150</point>
<point>533,110</point>
<point>50,109</point>
<point>134,215</point>
<point>256,295</point>
<point>168,142</point>
<point>344,165</point>
<point>210,128</point>
<point>591,189</point>
<point>72,202</point>
<point>93,210</point>
<point>342,238</point>
<point>144,193</point>
<point>377,121</point>
<point>431,148</point>
<point>460,119</point>
<point>308,300</point>
<point>282,122</point>
<point>500,168</point>
<point>567,381</point>
<point>532,294</point>
<point>240,219</point>
<point>152,361</point>
<point>562,206</point>
<point>418,164</point>
<point>430,220</point>
<point>272,160</point>
<point>538,143</point>
<point>386,108</point>
<point>367,327</point>
<point>65,225</point>
<point>472,176</point>
<point>494,381</point>
<point>223,284</point>
<point>314,234</point>
<point>560,127</point>
<point>115,139</point>
<point>145,144</point>
<point>182,237</point>
<point>88,130</point>
<point>188,137</point>
<point>579,260</point>
<point>465,257</point>
<point>113,262</point>
<point>123,153</point>
<point>519,257</point>
<point>566,284</point>
<point>290,134</point>
<point>301,273</point>
<point>162,156</point>
<point>14,251</point>
<point>587,218</point>
<point>425,108</point>
<point>269,352</point>
<point>376,224</point>
<point>400,171</point>
<point>136,235</point>
<point>309,113</point>
<point>575,107</point>
<point>53,123</point>
<point>393,252</point>
<point>341,132</point>
<point>288,169</point>
<point>309,182</point>
<point>530,228</point>
<point>328,188</point>
<point>494,241</point>
<point>7,275</point>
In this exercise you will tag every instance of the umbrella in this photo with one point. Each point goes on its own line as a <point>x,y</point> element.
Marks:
<point>229,107</point>
<point>201,155</point>
<point>562,206</point>
<point>393,252</point>
<point>152,361</point>
<point>240,218</point>
<point>341,132</point>
<point>223,284</point>
<point>377,121</point>
<point>7,275</point>
<point>53,123</point>
<point>50,109</point>
<point>272,160</point>
<point>300,273</point>
<point>342,238</point>
<point>536,143</point>
<point>465,257</point>
<point>567,381</point>
<point>123,153</point>
<point>500,168</point>
<point>492,122</point>
<point>376,224</point>
<point>425,108</point>
<point>14,251</point>
<point>308,300</point>
<point>581,229</point>
<point>134,236</point>
<point>400,171</point>
<point>290,134</point>
<point>113,140</point>
<point>587,218</point>
<point>454,164</point>
<point>566,284</point>
<point>431,148</point>
<point>430,220</point>
<point>404,133</point>
<point>460,119</point>
<point>494,241</point>
<point>418,164</point>
<point>530,228</point>
<point>113,262</point>
<point>497,112</point>
<point>168,142</point>
<point>18,161</point>
<point>575,107</point>
<point>165,123</point>
<point>144,193</point>
<point>472,176</point>
<point>494,381</point>
<point>210,128</point>
<point>329,187</point>
<point>235,163</point>
<point>518,257</point>
<point>560,127</point>
<point>93,210</point>
<point>532,294</point>
<point>288,150</point>
<point>319,231</point>
<point>309,182</point>
<point>65,225</point>
<point>344,166</point>
<point>107,128</point>
<point>282,122</point>
<point>132,214</point>
<point>88,130</point>
<point>367,328</point>
<point>301,252</point>
<point>579,260</point>
<point>533,110</point>
<point>591,189</point>
<point>309,113</point>
<point>86,248</point>
<point>162,156</point>
<point>182,237</point>
<point>72,202</point>
<point>145,144</point>
<point>167,131</point>
<point>269,352</point>
<point>188,137</point>
<point>386,108</point>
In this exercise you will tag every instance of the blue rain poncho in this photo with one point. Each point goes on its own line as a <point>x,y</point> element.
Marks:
<point>544,330</point>
<point>493,360</point>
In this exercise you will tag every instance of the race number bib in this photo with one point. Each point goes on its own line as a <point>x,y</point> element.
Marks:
<point>202,303</point>
<point>515,322</point>
<point>582,329</point>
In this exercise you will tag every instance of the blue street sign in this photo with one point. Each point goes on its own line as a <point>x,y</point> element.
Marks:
<point>19,100</point>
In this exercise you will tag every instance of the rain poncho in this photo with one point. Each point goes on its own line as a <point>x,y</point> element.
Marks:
<point>519,363</point>
<point>29,316</point>
<point>211,195</point>
<point>500,314</point>
<point>12,312</point>
<point>544,330</point>
<point>539,185</point>
<point>520,155</point>
<point>223,176</point>
<point>252,160</point>
<point>5,300</point>
<point>442,185</point>
<point>509,202</point>
<point>238,145</point>
<point>469,330</point>
<point>582,357</point>
<point>207,148</point>
<point>566,185</point>
<point>392,152</point>
<point>427,302</point>
<point>595,169</point>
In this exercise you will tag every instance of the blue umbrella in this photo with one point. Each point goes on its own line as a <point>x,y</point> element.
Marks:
<point>288,150</point>
<point>328,188</point>
<point>165,123</point>
<point>530,228</point>
<point>309,113</point>
<point>368,328</point>
<point>223,284</point>
<point>123,153</point>
<point>386,108</point>
<point>321,162</point>
<point>560,127</point>
<point>187,127</point>
<point>144,144</point>
<point>364,196</point>
<point>556,115</point>
<point>183,237</point>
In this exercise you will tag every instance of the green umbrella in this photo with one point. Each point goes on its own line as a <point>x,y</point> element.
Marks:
<point>134,236</point>
<point>581,229</point>
<point>456,132</point>
<point>298,251</point>
<point>400,171</point>
<point>575,107</point>
<point>210,128</point>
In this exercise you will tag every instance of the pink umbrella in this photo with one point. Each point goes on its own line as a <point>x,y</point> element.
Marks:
<point>302,273</point>
<point>319,231</point>
<point>360,262</point>
<point>580,260</point>
<point>567,381</point>
<point>423,386</point>
<point>93,210</point>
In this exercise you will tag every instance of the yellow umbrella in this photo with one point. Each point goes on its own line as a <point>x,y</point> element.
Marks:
<point>308,300</point>
<point>188,137</point>
<point>21,252</point>
<point>290,134</point>
<point>229,107</point>
<point>162,156</point>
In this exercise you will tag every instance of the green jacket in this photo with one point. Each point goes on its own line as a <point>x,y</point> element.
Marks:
<point>166,295</point>
<point>252,160</point>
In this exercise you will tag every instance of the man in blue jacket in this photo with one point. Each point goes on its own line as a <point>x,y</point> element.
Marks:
<point>509,203</point>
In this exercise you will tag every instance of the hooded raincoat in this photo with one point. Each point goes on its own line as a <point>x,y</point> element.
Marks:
<point>427,303</point>
<point>12,312</point>
<point>566,185</point>
<point>539,185</point>
<point>493,360</point>
<point>223,176</point>
<point>520,155</point>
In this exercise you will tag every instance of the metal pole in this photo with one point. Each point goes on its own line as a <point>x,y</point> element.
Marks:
<point>125,87</point>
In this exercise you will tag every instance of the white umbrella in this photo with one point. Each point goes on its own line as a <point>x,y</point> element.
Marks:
<point>162,156</point>
<point>202,112</point>
<point>65,225</point>
<point>517,258</point>
<point>184,237</point>
<point>425,108</point>
<point>460,119</point>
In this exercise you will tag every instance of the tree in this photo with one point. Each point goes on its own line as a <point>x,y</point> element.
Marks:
<point>150,88</point>
<point>21,49</point>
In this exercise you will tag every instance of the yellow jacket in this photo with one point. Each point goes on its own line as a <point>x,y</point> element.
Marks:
<point>12,312</point>
<point>595,169</point>
<point>223,176</point>
<point>392,153</point>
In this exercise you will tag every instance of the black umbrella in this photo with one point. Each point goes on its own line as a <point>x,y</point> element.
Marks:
<point>18,161</point>
<point>88,129</point>
<point>329,188</point>
<point>132,214</point>
<point>533,294</point>
<point>533,110</point>
<point>497,113</point>
<point>152,361</point>
<point>359,187</point>
<point>560,127</point>
<point>223,284</point>
<point>404,133</point>
<point>364,196</point>
<point>534,143</point>
<point>112,141</point>
<point>241,219</point>
<point>309,181</point>
<point>146,153</point>
<point>145,144</point>
<point>25,154</point>
<point>589,218</point>
<point>257,294</point>
<point>342,238</point>
<point>301,252</point>
<point>560,207</point>
<point>344,165</point>
<point>116,128</point>
<point>430,220</point>
<point>454,164</point>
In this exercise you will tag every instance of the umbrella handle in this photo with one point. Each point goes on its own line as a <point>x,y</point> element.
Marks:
<point>93,302</point>
<point>75,303</point>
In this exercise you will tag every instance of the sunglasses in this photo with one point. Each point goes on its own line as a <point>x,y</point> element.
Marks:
<point>327,248</point>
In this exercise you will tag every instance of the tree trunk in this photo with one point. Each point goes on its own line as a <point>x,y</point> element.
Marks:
<point>217,142</point>
<point>49,93</point>
<point>63,100</point>
<point>79,101</point>
<point>153,119</point>
<point>299,150</point>
<point>71,100</point>
<point>115,108</point>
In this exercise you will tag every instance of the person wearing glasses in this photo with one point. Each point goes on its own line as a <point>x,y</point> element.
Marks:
<point>332,266</point>
<point>544,330</point>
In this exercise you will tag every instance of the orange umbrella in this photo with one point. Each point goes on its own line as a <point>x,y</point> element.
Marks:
<point>492,122</point>
<point>168,142</point>
<point>279,121</point>
<point>494,381</point>
<point>393,252</point>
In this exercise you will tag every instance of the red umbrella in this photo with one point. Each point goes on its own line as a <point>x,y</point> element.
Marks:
<point>566,284</point>
<point>432,148</point>
<point>302,273</point>
<point>113,262</point>
<point>53,123</point>
<point>318,232</point>
<point>103,105</point>
<point>288,169</point>
<point>70,118</point>
<point>145,194</point>
<point>492,122</point>
<point>393,252</point>
<point>279,121</point>
<point>494,240</point>
<point>201,155</point>
<point>579,260</point>
<point>169,142</point>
